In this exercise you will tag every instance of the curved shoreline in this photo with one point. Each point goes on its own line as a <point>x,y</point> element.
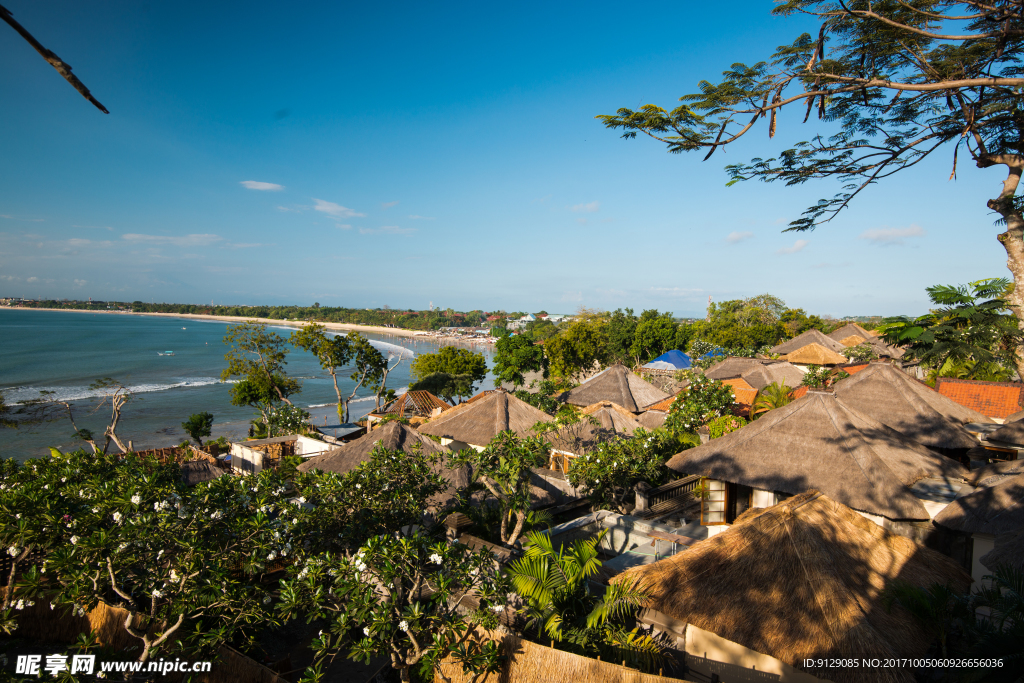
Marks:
<point>397,331</point>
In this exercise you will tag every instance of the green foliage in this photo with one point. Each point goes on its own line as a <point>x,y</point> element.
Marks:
<point>561,606</point>
<point>515,355</point>
<point>655,334</point>
<point>377,604</point>
<point>504,470</point>
<point>862,353</point>
<point>621,333</point>
<point>198,425</point>
<point>580,349</point>
<point>818,377</point>
<point>972,325</point>
<point>448,387</point>
<point>259,356</point>
<point>333,353</point>
<point>450,360</point>
<point>544,398</point>
<point>609,473</point>
<point>703,401</point>
<point>798,322</point>
<point>725,424</point>
<point>773,396</point>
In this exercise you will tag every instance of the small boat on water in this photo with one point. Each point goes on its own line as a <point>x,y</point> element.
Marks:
<point>184,328</point>
<point>166,353</point>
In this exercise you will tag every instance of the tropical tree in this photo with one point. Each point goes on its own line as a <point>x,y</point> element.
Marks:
<point>609,473</point>
<point>655,334</point>
<point>562,607</point>
<point>452,370</point>
<point>515,355</point>
<point>504,469</point>
<point>773,396</point>
<point>198,425</point>
<point>448,387</point>
<point>902,79</point>
<point>333,353</point>
<point>400,597</point>
<point>971,324</point>
<point>703,401</point>
<point>259,357</point>
<point>579,349</point>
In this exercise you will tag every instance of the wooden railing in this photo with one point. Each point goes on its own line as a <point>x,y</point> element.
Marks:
<point>673,489</point>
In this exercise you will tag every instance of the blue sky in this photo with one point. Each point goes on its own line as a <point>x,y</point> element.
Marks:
<point>364,154</point>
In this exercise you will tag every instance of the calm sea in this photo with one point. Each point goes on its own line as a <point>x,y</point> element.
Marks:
<point>64,352</point>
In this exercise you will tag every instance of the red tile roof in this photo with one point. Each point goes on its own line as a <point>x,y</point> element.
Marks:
<point>994,399</point>
<point>665,405</point>
<point>800,391</point>
<point>853,369</point>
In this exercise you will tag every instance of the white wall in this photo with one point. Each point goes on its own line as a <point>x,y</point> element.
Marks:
<point>705,644</point>
<point>983,544</point>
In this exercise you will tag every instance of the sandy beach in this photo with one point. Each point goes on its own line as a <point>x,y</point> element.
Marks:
<point>396,331</point>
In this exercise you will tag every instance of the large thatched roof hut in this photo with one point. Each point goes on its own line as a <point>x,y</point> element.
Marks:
<point>620,386</point>
<point>814,354</point>
<point>855,335</point>
<point>802,579</point>
<point>757,372</point>
<point>476,422</point>
<point>891,397</point>
<point>820,442</point>
<point>1009,551</point>
<point>850,330</point>
<point>809,337</point>
<point>1010,433</point>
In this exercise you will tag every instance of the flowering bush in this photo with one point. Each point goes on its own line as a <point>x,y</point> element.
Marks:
<point>818,377</point>
<point>609,474</point>
<point>400,597</point>
<point>724,425</point>
<point>703,401</point>
<point>283,418</point>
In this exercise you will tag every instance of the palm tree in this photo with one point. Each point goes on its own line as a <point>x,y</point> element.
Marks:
<point>561,605</point>
<point>773,396</point>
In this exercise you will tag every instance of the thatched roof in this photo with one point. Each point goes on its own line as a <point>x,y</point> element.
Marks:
<point>733,366</point>
<point>850,330</point>
<point>852,340</point>
<point>618,385</point>
<point>612,421</point>
<point>995,472</point>
<point>418,402</point>
<point>779,372</point>
<point>1009,550</point>
<point>891,397</point>
<point>803,578</point>
<point>1012,432</point>
<point>809,337</point>
<point>393,436</point>
<point>1014,417</point>
<point>814,354</point>
<point>995,509</point>
<point>820,442</point>
<point>197,471</point>
<point>479,421</point>
<point>652,419</point>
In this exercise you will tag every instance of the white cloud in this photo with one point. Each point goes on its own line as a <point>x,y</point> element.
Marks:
<point>422,218</point>
<point>195,240</point>
<point>32,279</point>
<point>592,207</point>
<point>797,246</point>
<point>79,283</point>
<point>676,291</point>
<point>387,230</point>
<point>336,210</point>
<point>737,237</point>
<point>388,205</point>
<point>10,278</point>
<point>892,236</point>
<point>581,221</point>
<point>263,187</point>
<point>15,218</point>
<point>343,226</point>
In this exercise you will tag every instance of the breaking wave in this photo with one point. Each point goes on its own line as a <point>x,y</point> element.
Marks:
<point>78,393</point>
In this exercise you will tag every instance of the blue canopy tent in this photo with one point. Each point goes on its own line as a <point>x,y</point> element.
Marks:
<point>671,360</point>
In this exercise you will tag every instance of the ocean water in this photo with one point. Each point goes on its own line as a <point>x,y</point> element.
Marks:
<point>64,352</point>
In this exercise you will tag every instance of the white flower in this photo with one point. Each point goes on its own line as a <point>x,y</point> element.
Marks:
<point>118,517</point>
<point>266,601</point>
<point>95,510</point>
<point>272,555</point>
<point>174,576</point>
<point>359,486</point>
<point>17,516</point>
<point>403,625</point>
<point>20,605</point>
<point>497,608</point>
<point>182,514</point>
<point>217,514</point>
<point>295,521</point>
<point>101,675</point>
<point>366,630</point>
<point>74,540</point>
<point>436,559</point>
<point>13,551</point>
<point>302,499</point>
<point>360,566</point>
<point>63,479</point>
<point>136,499</point>
<point>157,593</point>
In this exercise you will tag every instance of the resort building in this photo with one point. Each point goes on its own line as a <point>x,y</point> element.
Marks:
<point>998,400</point>
<point>802,578</point>
<point>809,337</point>
<point>601,422</point>
<point>250,457</point>
<point>415,406</point>
<point>474,423</point>
<point>617,385</point>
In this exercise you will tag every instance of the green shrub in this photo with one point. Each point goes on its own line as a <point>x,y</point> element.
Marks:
<point>725,424</point>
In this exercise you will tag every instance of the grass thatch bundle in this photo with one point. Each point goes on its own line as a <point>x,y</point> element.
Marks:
<point>1008,551</point>
<point>415,403</point>
<point>890,396</point>
<point>478,421</point>
<point>612,421</point>
<point>617,385</point>
<point>803,578</point>
<point>993,510</point>
<point>820,442</point>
